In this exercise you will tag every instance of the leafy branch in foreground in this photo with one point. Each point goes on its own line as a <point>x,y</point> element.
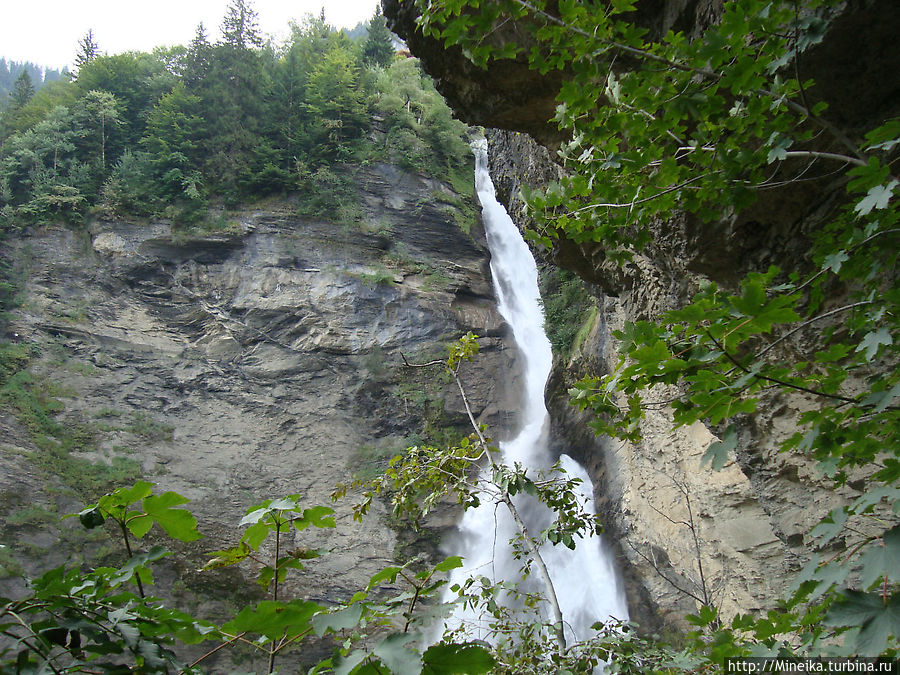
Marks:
<point>471,472</point>
<point>278,625</point>
<point>89,622</point>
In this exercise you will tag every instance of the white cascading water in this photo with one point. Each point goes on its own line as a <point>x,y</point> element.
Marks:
<point>585,579</point>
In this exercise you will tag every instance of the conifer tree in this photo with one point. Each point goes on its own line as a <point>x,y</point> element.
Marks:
<point>378,49</point>
<point>196,61</point>
<point>88,49</point>
<point>240,27</point>
<point>22,91</point>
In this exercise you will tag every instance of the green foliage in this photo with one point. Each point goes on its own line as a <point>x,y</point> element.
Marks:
<point>35,403</point>
<point>13,359</point>
<point>421,132</point>
<point>370,461</point>
<point>336,105</point>
<point>74,620</point>
<point>567,306</point>
<point>145,426</point>
<point>12,71</point>
<point>129,188</point>
<point>378,49</point>
<point>328,194</point>
<point>163,134</point>
<point>22,90</point>
<point>154,510</point>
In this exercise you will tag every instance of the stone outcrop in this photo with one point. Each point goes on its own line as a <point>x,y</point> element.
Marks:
<point>752,518</point>
<point>258,361</point>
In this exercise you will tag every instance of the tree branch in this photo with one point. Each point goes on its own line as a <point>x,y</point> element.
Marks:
<point>535,553</point>
<point>550,590</point>
<point>806,323</point>
<point>775,380</point>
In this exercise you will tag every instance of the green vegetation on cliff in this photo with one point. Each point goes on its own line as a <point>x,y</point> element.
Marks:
<point>167,133</point>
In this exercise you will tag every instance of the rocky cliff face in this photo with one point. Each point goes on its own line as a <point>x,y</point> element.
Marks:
<point>655,495</point>
<point>255,362</point>
<point>752,518</point>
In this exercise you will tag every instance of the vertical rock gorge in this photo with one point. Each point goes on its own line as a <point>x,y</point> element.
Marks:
<point>753,517</point>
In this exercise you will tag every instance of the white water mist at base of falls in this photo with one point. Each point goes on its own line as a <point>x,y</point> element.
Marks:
<point>585,579</point>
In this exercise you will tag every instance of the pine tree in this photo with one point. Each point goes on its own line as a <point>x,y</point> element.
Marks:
<point>196,61</point>
<point>22,91</point>
<point>88,49</point>
<point>378,49</point>
<point>240,28</point>
<point>236,101</point>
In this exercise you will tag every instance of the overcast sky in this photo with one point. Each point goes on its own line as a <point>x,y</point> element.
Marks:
<point>47,32</point>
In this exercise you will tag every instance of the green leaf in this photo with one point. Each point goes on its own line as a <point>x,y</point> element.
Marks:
<point>387,574</point>
<point>834,261</point>
<point>779,148</point>
<point>877,198</point>
<point>872,342</point>
<point>884,137</point>
<point>835,352</point>
<point>137,566</point>
<point>138,491</point>
<point>882,559</point>
<point>255,535</point>
<point>877,617</point>
<point>872,497</point>
<point>266,574</point>
<point>129,632</point>
<point>179,524</point>
<point>254,516</point>
<point>395,652</point>
<point>718,452</point>
<point>343,665</point>
<point>825,575</point>
<point>706,617</point>
<point>450,563</point>
<point>228,557</point>
<point>274,619</point>
<point>457,659</point>
<point>342,619</point>
<point>317,516</point>
<point>116,502</point>
<point>880,400</point>
<point>831,526</point>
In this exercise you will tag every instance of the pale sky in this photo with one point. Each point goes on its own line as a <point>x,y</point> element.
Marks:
<point>46,32</point>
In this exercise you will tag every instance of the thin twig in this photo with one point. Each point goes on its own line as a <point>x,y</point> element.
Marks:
<point>802,110</point>
<point>775,380</point>
<point>137,574</point>
<point>652,562</point>
<point>213,651</point>
<point>806,323</point>
<point>848,251</point>
<point>533,551</point>
<point>631,204</point>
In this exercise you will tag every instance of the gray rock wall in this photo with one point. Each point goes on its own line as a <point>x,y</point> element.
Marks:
<point>255,362</point>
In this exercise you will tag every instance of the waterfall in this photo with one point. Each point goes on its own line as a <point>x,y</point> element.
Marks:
<point>585,579</point>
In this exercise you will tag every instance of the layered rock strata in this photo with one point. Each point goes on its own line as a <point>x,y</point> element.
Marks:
<point>255,362</point>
